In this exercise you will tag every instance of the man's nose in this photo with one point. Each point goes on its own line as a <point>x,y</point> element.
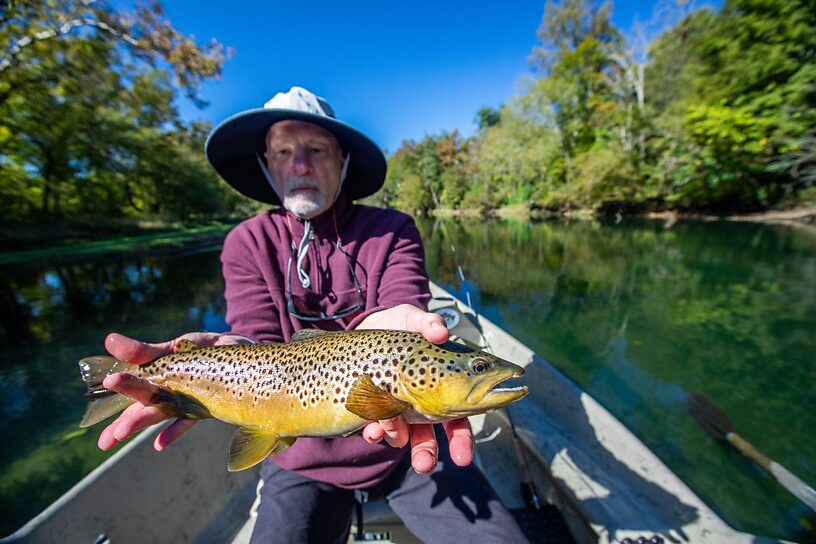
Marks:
<point>300,163</point>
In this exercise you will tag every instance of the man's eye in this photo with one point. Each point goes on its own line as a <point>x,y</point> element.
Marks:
<point>282,152</point>
<point>317,150</point>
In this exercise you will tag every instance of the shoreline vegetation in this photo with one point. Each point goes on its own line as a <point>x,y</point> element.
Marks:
<point>695,112</point>
<point>28,244</point>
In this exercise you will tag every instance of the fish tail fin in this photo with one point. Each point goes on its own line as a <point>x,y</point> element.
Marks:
<point>102,402</point>
<point>251,446</point>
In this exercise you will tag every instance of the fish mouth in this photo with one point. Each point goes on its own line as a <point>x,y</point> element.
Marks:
<point>488,392</point>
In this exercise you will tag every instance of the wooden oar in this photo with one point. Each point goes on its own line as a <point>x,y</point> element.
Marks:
<point>716,423</point>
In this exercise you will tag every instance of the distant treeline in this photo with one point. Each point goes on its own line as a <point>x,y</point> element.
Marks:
<point>693,110</point>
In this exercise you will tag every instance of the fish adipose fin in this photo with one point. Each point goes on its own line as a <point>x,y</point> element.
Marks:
<point>306,334</point>
<point>370,402</point>
<point>102,403</point>
<point>251,446</point>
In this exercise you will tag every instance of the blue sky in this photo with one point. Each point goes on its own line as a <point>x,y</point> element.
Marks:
<point>395,70</point>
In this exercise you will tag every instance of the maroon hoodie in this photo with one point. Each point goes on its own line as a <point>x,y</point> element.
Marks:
<point>388,258</point>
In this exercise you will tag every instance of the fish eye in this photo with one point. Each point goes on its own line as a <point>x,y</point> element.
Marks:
<point>479,365</point>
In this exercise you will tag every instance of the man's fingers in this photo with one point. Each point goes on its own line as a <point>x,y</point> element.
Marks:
<point>137,352</point>
<point>135,418</point>
<point>130,386</point>
<point>107,440</point>
<point>460,441</point>
<point>373,433</point>
<point>429,324</point>
<point>424,449</point>
<point>396,431</point>
<point>138,421</point>
<point>172,432</point>
<point>134,351</point>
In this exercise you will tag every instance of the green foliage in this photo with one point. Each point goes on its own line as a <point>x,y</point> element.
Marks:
<point>487,117</point>
<point>729,148</point>
<point>716,114</point>
<point>87,118</point>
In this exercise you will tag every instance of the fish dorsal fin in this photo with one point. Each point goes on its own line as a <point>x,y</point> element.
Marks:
<point>306,334</point>
<point>370,402</point>
<point>185,345</point>
<point>251,446</point>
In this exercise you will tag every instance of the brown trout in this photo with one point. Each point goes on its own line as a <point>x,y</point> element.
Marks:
<point>321,384</point>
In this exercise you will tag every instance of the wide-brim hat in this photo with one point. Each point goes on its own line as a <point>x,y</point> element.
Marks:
<point>235,146</point>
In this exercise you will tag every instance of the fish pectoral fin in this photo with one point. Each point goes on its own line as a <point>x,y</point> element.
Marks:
<point>185,345</point>
<point>370,402</point>
<point>305,334</point>
<point>251,446</point>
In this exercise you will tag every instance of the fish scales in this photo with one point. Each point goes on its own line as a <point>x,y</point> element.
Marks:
<point>324,384</point>
<point>305,380</point>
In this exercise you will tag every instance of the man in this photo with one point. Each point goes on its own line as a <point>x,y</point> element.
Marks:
<point>321,261</point>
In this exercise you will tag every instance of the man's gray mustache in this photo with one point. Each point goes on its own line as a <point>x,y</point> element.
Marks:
<point>295,185</point>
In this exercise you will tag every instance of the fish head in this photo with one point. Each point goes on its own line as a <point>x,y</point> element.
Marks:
<point>453,380</point>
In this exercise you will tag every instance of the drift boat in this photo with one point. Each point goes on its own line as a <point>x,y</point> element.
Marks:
<point>564,466</point>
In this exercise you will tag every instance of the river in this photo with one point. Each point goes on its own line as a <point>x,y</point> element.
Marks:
<point>638,314</point>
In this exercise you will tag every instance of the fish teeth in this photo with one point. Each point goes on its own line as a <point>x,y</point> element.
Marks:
<point>506,389</point>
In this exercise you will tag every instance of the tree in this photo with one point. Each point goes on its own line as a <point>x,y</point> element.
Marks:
<point>87,119</point>
<point>576,37</point>
<point>26,26</point>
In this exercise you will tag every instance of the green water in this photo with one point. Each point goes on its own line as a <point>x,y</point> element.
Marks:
<point>635,313</point>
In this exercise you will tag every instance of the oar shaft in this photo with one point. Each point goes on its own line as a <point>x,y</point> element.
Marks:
<point>786,478</point>
<point>792,483</point>
<point>749,450</point>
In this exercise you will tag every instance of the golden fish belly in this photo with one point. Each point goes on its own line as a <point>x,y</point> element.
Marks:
<point>282,413</point>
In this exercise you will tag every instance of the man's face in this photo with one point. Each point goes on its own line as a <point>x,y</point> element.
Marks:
<point>304,161</point>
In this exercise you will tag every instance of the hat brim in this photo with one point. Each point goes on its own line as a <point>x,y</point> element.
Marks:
<point>232,149</point>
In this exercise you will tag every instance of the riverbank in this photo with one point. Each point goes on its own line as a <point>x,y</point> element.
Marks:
<point>21,244</point>
<point>105,243</point>
<point>801,215</point>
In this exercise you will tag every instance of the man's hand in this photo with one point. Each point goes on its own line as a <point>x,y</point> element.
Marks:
<point>139,416</point>
<point>396,431</point>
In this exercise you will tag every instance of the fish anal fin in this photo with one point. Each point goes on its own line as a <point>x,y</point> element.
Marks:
<point>307,334</point>
<point>185,345</point>
<point>251,446</point>
<point>178,404</point>
<point>372,403</point>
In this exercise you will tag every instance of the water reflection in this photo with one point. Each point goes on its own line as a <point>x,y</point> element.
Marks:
<point>52,317</point>
<point>638,315</point>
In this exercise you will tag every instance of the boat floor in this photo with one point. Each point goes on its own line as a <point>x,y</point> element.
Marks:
<point>496,457</point>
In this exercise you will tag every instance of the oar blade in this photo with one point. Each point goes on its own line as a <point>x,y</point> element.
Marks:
<point>709,416</point>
